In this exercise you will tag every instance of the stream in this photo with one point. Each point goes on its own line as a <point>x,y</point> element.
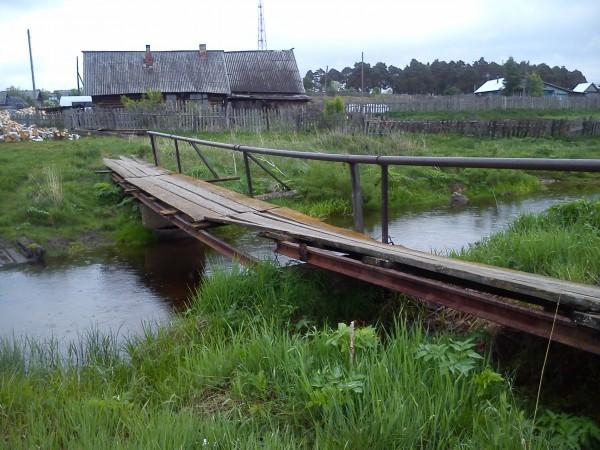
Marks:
<point>121,291</point>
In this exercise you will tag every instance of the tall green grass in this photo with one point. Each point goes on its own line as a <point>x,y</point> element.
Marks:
<point>249,366</point>
<point>563,242</point>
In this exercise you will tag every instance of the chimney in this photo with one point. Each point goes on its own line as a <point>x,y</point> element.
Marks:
<point>203,52</point>
<point>148,59</point>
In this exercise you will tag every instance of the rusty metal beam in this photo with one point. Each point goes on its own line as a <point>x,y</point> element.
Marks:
<point>480,304</point>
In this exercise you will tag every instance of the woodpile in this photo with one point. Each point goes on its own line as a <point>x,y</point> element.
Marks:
<point>13,131</point>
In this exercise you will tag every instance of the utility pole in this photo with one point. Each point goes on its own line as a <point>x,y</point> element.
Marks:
<point>78,89</point>
<point>325,85</point>
<point>31,64</point>
<point>362,74</point>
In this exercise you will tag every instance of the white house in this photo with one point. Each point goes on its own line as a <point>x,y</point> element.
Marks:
<point>586,88</point>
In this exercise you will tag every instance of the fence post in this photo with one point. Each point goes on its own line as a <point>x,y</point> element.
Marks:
<point>177,155</point>
<point>154,150</point>
<point>384,204</point>
<point>248,174</point>
<point>356,197</point>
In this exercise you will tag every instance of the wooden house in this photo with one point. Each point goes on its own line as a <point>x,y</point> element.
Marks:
<point>209,76</point>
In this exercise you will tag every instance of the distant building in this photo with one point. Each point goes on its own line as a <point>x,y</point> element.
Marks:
<point>75,101</point>
<point>495,87</point>
<point>586,88</point>
<point>491,87</point>
<point>260,78</point>
<point>8,99</point>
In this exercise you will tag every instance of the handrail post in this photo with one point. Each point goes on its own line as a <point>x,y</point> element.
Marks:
<point>248,174</point>
<point>384,204</point>
<point>356,197</point>
<point>177,155</point>
<point>154,150</point>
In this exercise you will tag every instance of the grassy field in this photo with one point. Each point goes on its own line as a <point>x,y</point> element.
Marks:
<point>498,114</point>
<point>52,194</point>
<point>257,362</point>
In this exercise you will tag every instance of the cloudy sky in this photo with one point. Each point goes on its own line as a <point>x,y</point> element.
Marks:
<point>323,32</point>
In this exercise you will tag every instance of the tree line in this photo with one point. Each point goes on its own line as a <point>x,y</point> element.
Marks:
<point>437,77</point>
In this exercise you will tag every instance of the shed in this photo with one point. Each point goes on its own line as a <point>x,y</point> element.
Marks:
<point>264,76</point>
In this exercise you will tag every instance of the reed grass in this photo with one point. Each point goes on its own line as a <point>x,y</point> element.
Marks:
<point>250,365</point>
<point>563,242</point>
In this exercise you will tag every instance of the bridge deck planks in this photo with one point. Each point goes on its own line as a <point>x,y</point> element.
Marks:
<point>205,201</point>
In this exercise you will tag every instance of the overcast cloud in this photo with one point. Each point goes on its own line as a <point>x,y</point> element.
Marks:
<point>332,32</point>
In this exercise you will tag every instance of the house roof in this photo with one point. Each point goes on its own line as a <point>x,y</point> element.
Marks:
<point>269,72</point>
<point>491,86</point>
<point>68,100</point>
<point>583,87</point>
<point>118,73</point>
<point>178,71</point>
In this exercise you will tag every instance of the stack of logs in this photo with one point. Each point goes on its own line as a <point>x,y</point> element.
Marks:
<point>12,131</point>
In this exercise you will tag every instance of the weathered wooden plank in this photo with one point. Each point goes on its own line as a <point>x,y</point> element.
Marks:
<point>199,189</point>
<point>255,204</point>
<point>138,169</point>
<point>212,205</point>
<point>116,166</point>
<point>196,212</point>
<point>145,167</point>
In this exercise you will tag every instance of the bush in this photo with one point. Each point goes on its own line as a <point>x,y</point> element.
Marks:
<point>333,107</point>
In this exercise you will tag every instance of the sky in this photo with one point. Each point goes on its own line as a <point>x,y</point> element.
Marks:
<point>323,32</point>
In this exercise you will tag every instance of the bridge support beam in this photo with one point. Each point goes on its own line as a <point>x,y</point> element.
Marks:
<point>480,304</point>
<point>152,220</point>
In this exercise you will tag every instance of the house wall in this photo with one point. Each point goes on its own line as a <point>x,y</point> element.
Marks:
<point>114,101</point>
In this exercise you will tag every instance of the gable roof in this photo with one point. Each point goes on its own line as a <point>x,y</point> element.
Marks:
<point>267,71</point>
<point>585,87</point>
<point>118,73</point>
<point>491,86</point>
<point>178,71</point>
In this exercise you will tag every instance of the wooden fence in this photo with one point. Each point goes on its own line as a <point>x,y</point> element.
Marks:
<point>489,128</point>
<point>184,116</point>
<point>430,103</point>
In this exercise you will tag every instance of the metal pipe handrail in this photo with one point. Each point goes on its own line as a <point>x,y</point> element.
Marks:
<point>559,164</point>
<point>556,164</point>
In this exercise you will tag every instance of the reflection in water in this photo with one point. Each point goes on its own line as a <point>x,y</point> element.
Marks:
<point>113,292</point>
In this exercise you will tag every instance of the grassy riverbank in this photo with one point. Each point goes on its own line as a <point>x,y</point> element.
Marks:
<point>563,242</point>
<point>256,363</point>
<point>52,194</point>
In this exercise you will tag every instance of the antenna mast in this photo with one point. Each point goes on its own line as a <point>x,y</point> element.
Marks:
<point>262,35</point>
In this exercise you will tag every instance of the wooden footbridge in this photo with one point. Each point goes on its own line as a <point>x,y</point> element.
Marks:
<point>568,312</point>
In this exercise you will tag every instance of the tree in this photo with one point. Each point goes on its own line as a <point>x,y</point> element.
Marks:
<point>535,85</point>
<point>512,77</point>
<point>309,81</point>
